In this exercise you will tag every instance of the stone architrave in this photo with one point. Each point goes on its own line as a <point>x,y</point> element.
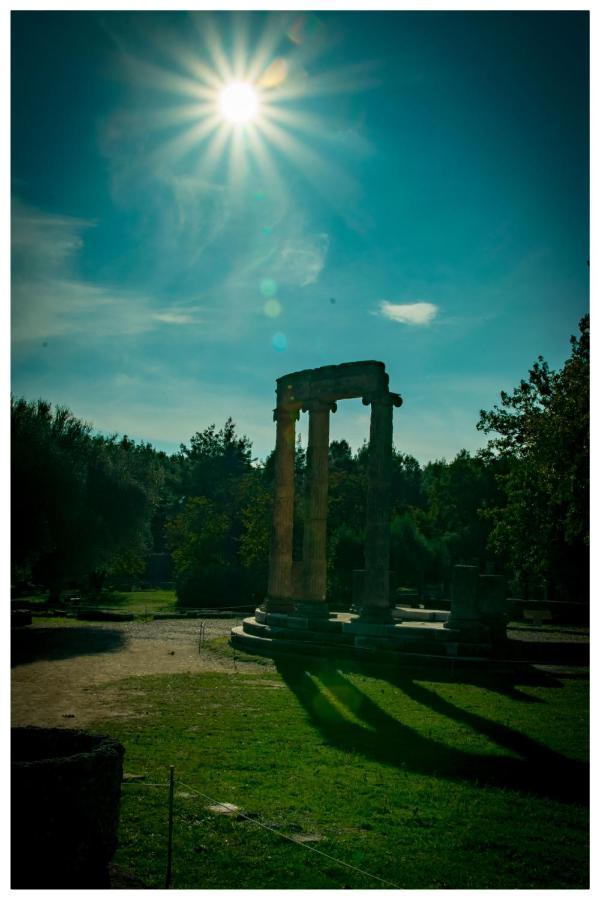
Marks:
<point>314,557</point>
<point>279,590</point>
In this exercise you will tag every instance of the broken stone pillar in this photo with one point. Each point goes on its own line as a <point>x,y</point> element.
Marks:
<point>465,614</point>
<point>314,557</point>
<point>376,605</point>
<point>493,605</point>
<point>279,590</point>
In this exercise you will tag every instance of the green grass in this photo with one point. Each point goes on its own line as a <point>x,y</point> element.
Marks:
<point>137,602</point>
<point>426,783</point>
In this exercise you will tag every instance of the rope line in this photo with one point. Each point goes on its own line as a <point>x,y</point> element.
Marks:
<point>144,784</point>
<point>291,839</point>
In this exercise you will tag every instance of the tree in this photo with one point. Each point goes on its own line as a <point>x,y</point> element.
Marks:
<point>79,501</point>
<point>542,528</point>
<point>218,533</point>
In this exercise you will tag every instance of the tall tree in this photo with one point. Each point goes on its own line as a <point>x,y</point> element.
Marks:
<point>79,501</point>
<point>542,429</point>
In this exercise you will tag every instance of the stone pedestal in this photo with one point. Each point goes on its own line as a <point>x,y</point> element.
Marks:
<point>493,605</point>
<point>279,590</point>
<point>465,614</point>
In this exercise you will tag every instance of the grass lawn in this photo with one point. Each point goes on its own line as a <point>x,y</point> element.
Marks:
<point>428,783</point>
<point>138,602</point>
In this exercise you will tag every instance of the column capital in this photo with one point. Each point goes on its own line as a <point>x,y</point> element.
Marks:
<point>281,413</point>
<point>382,399</point>
<point>318,405</point>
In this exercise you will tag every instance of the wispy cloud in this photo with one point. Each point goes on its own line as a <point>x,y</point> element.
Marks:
<point>408,313</point>
<point>50,299</point>
<point>301,258</point>
<point>190,315</point>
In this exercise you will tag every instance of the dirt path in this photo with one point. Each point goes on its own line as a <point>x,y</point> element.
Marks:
<point>60,670</point>
<point>61,667</point>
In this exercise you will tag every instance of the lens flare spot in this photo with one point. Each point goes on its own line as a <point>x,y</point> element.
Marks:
<point>268,287</point>
<point>279,342</point>
<point>275,74</point>
<point>272,308</point>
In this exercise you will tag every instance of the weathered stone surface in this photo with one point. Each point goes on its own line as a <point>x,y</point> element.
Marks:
<point>279,590</point>
<point>303,584</point>
<point>331,383</point>
<point>314,572</point>
<point>66,788</point>
<point>464,611</point>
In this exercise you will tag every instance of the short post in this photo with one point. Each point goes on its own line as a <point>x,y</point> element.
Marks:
<point>170,838</point>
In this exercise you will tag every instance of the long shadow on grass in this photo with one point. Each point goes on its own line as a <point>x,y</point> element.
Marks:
<point>326,694</point>
<point>31,644</point>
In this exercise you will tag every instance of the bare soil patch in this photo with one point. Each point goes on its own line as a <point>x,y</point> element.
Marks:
<point>61,669</point>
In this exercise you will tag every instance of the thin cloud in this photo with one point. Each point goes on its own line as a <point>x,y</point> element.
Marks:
<point>179,316</point>
<point>408,313</point>
<point>49,299</point>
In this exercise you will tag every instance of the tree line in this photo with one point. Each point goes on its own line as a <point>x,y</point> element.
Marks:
<point>90,511</point>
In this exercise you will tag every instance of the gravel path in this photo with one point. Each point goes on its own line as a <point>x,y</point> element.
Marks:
<point>60,670</point>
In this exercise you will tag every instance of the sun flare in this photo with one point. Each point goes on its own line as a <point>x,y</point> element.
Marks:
<point>238,102</point>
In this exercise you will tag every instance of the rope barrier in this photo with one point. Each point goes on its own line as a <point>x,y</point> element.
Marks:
<point>280,834</point>
<point>340,862</point>
<point>144,784</point>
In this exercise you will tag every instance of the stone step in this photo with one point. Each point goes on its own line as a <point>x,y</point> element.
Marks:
<point>273,647</point>
<point>420,615</point>
<point>286,620</point>
<point>269,646</point>
<point>251,626</point>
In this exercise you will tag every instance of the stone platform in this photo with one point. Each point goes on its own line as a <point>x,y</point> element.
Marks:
<point>423,639</point>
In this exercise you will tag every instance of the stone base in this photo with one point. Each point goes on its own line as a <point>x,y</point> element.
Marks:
<point>345,633</point>
<point>406,614</point>
<point>276,604</point>
<point>376,615</point>
<point>312,609</point>
<point>446,656</point>
<point>469,629</point>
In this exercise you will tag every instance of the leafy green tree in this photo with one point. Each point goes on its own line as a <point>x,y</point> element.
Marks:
<point>218,533</point>
<point>542,428</point>
<point>79,501</point>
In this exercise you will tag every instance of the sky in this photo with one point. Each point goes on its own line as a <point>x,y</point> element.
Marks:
<point>413,189</point>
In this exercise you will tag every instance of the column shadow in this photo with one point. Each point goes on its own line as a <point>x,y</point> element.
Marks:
<point>379,736</point>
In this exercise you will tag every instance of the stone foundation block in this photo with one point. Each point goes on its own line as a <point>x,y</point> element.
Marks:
<point>364,628</point>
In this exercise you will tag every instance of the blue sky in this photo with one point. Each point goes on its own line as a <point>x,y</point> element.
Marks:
<point>414,190</point>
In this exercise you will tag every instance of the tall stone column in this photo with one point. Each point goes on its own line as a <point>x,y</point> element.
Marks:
<point>279,590</point>
<point>376,605</point>
<point>314,554</point>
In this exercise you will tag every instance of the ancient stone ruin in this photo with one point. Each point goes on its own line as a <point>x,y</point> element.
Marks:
<point>296,614</point>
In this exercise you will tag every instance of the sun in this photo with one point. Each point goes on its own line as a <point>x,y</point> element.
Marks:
<point>238,102</point>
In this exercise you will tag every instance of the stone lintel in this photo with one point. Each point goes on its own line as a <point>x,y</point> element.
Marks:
<point>332,383</point>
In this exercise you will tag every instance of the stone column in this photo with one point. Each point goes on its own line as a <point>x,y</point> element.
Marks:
<point>314,555</point>
<point>279,590</point>
<point>376,605</point>
<point>493,606</point>
<point>465,614</point>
